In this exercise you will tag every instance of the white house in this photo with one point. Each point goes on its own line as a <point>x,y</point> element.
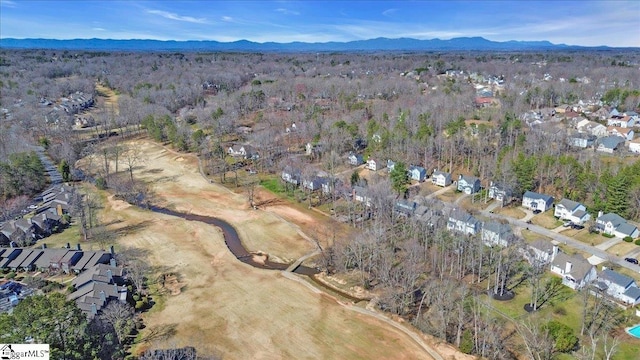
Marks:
<point>314,183</point>
<point>582,140</point>
<point>616,283</point>
<point>572,211</point>
<point>417,173</point>
<point>575,270</point>
<point>591,127</point>
<point>540,251</point>
<point>631,296</point>
<point>291,175</point>
<point>616,225</point>
<point>462,222</point>
<point>355,159</point>
<point>468,184</point>
<point>373,165</point>
<point>500,192</point>
<point>625,133</point>
<point>360,194</point>
<point>441,178</point>
<point>609,144</point>
<point>495,233</point>
<point>535,201</point>
<point>634,146</point>
<point>621,121</point>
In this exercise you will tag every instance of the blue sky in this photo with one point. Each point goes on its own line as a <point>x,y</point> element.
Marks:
<point>589,23</point>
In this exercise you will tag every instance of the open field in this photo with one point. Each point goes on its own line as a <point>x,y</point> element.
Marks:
<point>584,236</point>
<point>621,248</point>
<point>224,305</point>
<point>546,220</point>
<point>509,211</point>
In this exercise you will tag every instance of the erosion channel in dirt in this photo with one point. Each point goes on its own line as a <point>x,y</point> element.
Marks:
<point>232,240</point>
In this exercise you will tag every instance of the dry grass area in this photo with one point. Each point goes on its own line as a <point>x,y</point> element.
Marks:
<point>110,98</point>
<point>546,220</point>
<point>621,248</point>
<point>530,236</point>
<point>512,212</point>
<point>584,236</point>
<point>229,307</point>
<point>448,196</point>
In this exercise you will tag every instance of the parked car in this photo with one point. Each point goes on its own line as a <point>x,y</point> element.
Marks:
<point>537,211</point>
<point>631,260</point>
<point>567,224</point>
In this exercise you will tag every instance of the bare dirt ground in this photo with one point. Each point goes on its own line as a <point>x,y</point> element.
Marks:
<point>221,305</point>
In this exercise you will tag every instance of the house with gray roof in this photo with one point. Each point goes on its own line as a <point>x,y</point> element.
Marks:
<point>468,184</point>
<point>631,296</point>
<point>534,201</point>
<point>291,175</point>
<point>575,270</point>
<point>417,173</point>
<point>616,225</point>
<point>405,208</point>
<point>462,222</point>
<point>496,233</point>
<point>571,211</point>
<point>616,284</point>
<point>501,192</point>
<point>441,178</point>
<point>360,194</point>
<point>540,252</point>
<point>609,144</point>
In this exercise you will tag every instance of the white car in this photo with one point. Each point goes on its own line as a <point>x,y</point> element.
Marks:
<point>33,207</point>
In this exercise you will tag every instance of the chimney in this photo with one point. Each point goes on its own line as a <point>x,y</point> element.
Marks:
<point>103,297</point>
<point>68,246</point>
<point>44,246</point>
<point>78,247</point>
<point>567,267</point>
<point>115,288</point>
<point>94,309</point>
<point>111,250</point>
<point>554,252</point>
<point>600,213</point>
<point>459,176</point>
<point>112,262</point>
<point>109,275</point>
<point>11,244</point>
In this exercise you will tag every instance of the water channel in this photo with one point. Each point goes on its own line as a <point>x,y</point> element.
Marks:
<point>232,240</point>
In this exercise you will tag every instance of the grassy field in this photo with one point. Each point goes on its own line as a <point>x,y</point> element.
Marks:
<point>621,248</point>
<point>449,196</point>
<point>584,236</point>
<point>546,220</point>
<point>224,305</point>
<point>531,236</point>
<point>512,212</point>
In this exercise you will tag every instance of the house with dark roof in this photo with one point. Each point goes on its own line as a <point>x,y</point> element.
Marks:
<point>502,193</point>
<point>468,184</point>
<point>616,225</point>
<point>462,222</point>
<point>417,173</point>
<point>441,178</point>
<point>609,144</point>
<point>616,284</point>
<point>582,140</point>
<point>355,159</point>
<point>314,183</point>
<point>496,233</point>
<point>575,270</point>
<point>571,211</point>
<point>534,201</point>
<point>405,208</point>
<point>291,175</point>
<point>360,194</point>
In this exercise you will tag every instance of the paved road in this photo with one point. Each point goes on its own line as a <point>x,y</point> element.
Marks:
<point>571,242</point>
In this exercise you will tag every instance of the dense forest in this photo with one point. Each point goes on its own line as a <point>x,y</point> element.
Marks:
<point>415,108</point>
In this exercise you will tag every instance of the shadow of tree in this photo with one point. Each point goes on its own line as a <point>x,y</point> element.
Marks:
<point>160,333</point>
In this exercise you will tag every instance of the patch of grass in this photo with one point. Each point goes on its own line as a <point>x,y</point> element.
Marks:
<point>448,196</point>
<point>621,248</point>
<point>531,236</point>
<point>511,212</point>
<point>584,235</point>
<point>273,185</point>
<point>546,220</point>
<point>70,235</point>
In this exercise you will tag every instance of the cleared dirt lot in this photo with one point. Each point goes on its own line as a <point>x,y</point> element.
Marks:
<point>224,305</point>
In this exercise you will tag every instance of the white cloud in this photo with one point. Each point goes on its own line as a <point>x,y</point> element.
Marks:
<point>98,29</point>
<point>287,11</point>
<point>173,16</point>
<point>8,3</point>
<point>389,12</point>
<point>227,18</point>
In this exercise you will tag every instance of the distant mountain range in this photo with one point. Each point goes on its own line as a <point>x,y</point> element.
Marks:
<point>378,44</point>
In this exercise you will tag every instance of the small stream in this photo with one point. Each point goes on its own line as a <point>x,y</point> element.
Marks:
<point>232,240</point>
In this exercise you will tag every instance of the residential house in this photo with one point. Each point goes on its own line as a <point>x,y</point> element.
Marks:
<point>291,175</point>
<point>462,222</point>
<point>360,194</point>
<point>390,165</point>
<point>441,178</point>
<point>634,146</point>
<point>484,102</point>
<point>355,159</point>
<point>575,270</point>
<point>244,151</point>
<point>615,284</point>
<point>417,173</point>
<point>621,121</point>
<point>609,144</point>
<point>502,193</point>
<point>45,223</point>
<point>591,127</point>
<point>535,201</point>
<point>625,133</point>
<point>496,233</point>
<point>96,287</point>
<point>582,140</point>
<point>572,211</point>
<point>314,183</point>
<point>373,164</point>
<point>405,208</point>
<point>616,225</point>
<point>468,184</point>
<point>631,296</point>
<point>540,252</point>
<point>313,149</point>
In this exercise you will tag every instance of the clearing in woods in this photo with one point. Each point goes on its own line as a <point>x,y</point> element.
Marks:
<point>220,305</point>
